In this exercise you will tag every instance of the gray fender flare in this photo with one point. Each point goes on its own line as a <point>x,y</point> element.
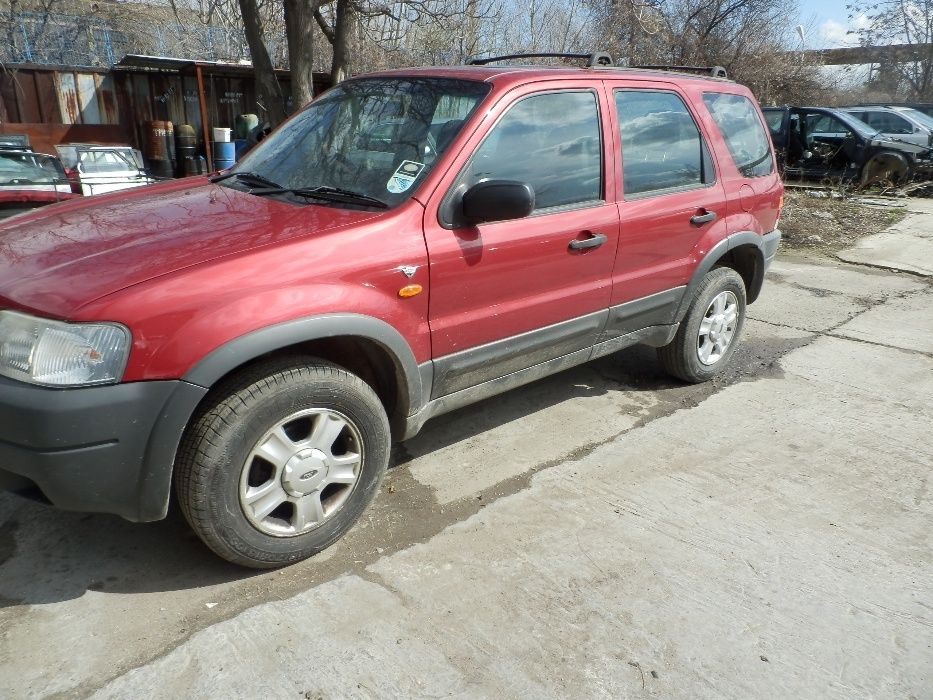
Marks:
<point>709,261</point>
<point>155,481</point>
<point>247,347</point>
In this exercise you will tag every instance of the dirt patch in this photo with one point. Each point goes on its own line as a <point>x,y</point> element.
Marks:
<point>832,221</point>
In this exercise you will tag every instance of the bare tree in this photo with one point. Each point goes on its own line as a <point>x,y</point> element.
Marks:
<point>907,22</point>
<point>300,32</point>
<point>268,90</point>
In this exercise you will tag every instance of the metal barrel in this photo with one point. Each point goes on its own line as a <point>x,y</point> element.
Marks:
<point>160,167</point>
<point>224,150</point>
<point>160,141</point>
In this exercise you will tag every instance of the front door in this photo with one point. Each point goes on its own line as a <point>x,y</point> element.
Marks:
<point>510,294</point>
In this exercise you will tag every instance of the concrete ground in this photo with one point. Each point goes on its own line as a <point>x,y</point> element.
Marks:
<point>606,532</point>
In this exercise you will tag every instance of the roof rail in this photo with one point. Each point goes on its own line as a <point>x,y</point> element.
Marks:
<point>597,58</point>
<point>713,71</point>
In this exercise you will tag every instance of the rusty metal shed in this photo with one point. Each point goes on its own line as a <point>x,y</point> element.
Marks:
<point>59,104</point>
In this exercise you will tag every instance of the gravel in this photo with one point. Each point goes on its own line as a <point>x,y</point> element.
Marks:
<point>829,221</point>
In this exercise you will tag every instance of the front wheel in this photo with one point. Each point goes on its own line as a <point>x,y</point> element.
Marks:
<point>283,462</point>
<point>710,330</point>
<point>886,168</point>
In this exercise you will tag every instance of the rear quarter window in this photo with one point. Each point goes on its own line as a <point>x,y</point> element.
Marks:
<point>743,132</point>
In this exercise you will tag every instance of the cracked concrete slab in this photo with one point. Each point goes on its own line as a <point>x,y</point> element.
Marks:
<point>907,245</point>
<point>512,448</point>
<point>904,322</point>
<point>763,544</point>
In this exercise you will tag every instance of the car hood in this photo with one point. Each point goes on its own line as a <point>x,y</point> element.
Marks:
<point>880,140</point>
<point>62,257</point>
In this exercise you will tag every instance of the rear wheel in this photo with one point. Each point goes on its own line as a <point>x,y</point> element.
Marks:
<point>283,462</point>
<point>710,330</point>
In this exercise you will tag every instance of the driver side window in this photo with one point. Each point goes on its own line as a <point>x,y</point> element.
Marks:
<point>825,125</point>
<point>550,141</point>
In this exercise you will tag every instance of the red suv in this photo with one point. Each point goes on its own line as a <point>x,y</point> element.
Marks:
<point>410,242</point>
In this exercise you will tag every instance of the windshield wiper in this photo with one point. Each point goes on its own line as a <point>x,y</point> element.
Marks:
<point>255,178</point>
<point>327,193</point>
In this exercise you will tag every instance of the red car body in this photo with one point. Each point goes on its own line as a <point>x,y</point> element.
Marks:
<point>191,268</point>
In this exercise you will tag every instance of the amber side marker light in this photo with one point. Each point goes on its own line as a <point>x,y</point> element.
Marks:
<point>410,290</point>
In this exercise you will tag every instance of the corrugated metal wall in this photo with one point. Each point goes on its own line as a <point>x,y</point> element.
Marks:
<point>113,106</point>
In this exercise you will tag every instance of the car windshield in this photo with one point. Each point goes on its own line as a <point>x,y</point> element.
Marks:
<point>922,119</point>
<point>377,137</point>
<point>28,169</point>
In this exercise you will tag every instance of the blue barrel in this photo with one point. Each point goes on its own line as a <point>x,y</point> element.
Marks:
<point>224,150</point>
<point>224,154</point>
<point>241,145</point>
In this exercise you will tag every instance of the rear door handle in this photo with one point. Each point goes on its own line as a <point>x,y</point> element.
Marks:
<point>594,241</point>
<point>701,219</point>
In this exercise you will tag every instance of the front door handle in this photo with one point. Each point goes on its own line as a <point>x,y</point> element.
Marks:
<point>594,241</point>
<point>701,219</point>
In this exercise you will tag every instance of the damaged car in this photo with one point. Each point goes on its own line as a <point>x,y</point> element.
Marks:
<point>819,144</point>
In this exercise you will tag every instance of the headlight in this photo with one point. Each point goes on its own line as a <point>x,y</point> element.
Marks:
<point>53,353</point>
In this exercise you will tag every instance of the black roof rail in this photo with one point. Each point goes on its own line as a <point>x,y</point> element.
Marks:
<point>713,71</point>
<point>597,58</point>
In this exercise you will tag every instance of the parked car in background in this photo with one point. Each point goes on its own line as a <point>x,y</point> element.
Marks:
<point>29,180</point>
<point>820,143</point>
<point>922,107</point>
<point>897,123</point>
<point>99,169</point>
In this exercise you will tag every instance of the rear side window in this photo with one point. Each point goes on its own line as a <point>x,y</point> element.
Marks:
<point>552,142</point>
<point>888,123</point>
<point>741,128</point>
<point>661,145</point>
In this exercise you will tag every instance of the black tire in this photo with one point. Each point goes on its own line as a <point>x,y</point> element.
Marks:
<point>681,357</point>
<point>212,463</point>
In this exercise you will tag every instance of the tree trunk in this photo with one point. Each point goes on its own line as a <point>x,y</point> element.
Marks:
<point>343,28</point>
<point>299,26</point>
<point>268,91</point>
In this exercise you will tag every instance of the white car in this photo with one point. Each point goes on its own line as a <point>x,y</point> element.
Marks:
<point>99,169</point>
<point>897,122</point>
<point>29,180</point>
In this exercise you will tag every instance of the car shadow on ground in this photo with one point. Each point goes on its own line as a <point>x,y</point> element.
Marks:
<point>48,555</point>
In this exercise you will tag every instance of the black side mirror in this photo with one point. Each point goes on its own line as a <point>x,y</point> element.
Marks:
<point>498,200</point>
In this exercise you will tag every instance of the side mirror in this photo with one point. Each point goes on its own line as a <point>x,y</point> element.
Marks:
<point>498,200</point>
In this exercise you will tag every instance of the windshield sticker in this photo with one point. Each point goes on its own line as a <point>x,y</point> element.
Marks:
<point>404,176</point>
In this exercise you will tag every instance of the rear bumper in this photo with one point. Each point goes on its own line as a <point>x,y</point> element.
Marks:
<point>99,449</point>
<point>769,246</point>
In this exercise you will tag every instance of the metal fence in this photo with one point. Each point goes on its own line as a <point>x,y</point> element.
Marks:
<point>94,42</point>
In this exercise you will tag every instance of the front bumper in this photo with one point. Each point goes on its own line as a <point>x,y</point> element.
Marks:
<point>103,449</point>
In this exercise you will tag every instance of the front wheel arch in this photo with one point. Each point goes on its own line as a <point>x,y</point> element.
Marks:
<point>886,166</point>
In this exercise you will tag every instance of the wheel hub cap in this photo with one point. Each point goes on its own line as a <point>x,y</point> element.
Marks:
<point>717,328</point>
<point>301,472</point>
<point>305,472</point>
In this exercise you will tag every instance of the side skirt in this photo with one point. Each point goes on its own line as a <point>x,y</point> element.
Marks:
<point>652,335</point>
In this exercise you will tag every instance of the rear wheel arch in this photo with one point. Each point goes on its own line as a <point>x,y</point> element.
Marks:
<point>743,252</point>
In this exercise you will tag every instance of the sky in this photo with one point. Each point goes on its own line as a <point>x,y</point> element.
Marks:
<point>828,21</point>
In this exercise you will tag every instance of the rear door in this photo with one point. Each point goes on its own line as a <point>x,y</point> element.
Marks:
<point>510,294</point>
<point>672,202</point>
